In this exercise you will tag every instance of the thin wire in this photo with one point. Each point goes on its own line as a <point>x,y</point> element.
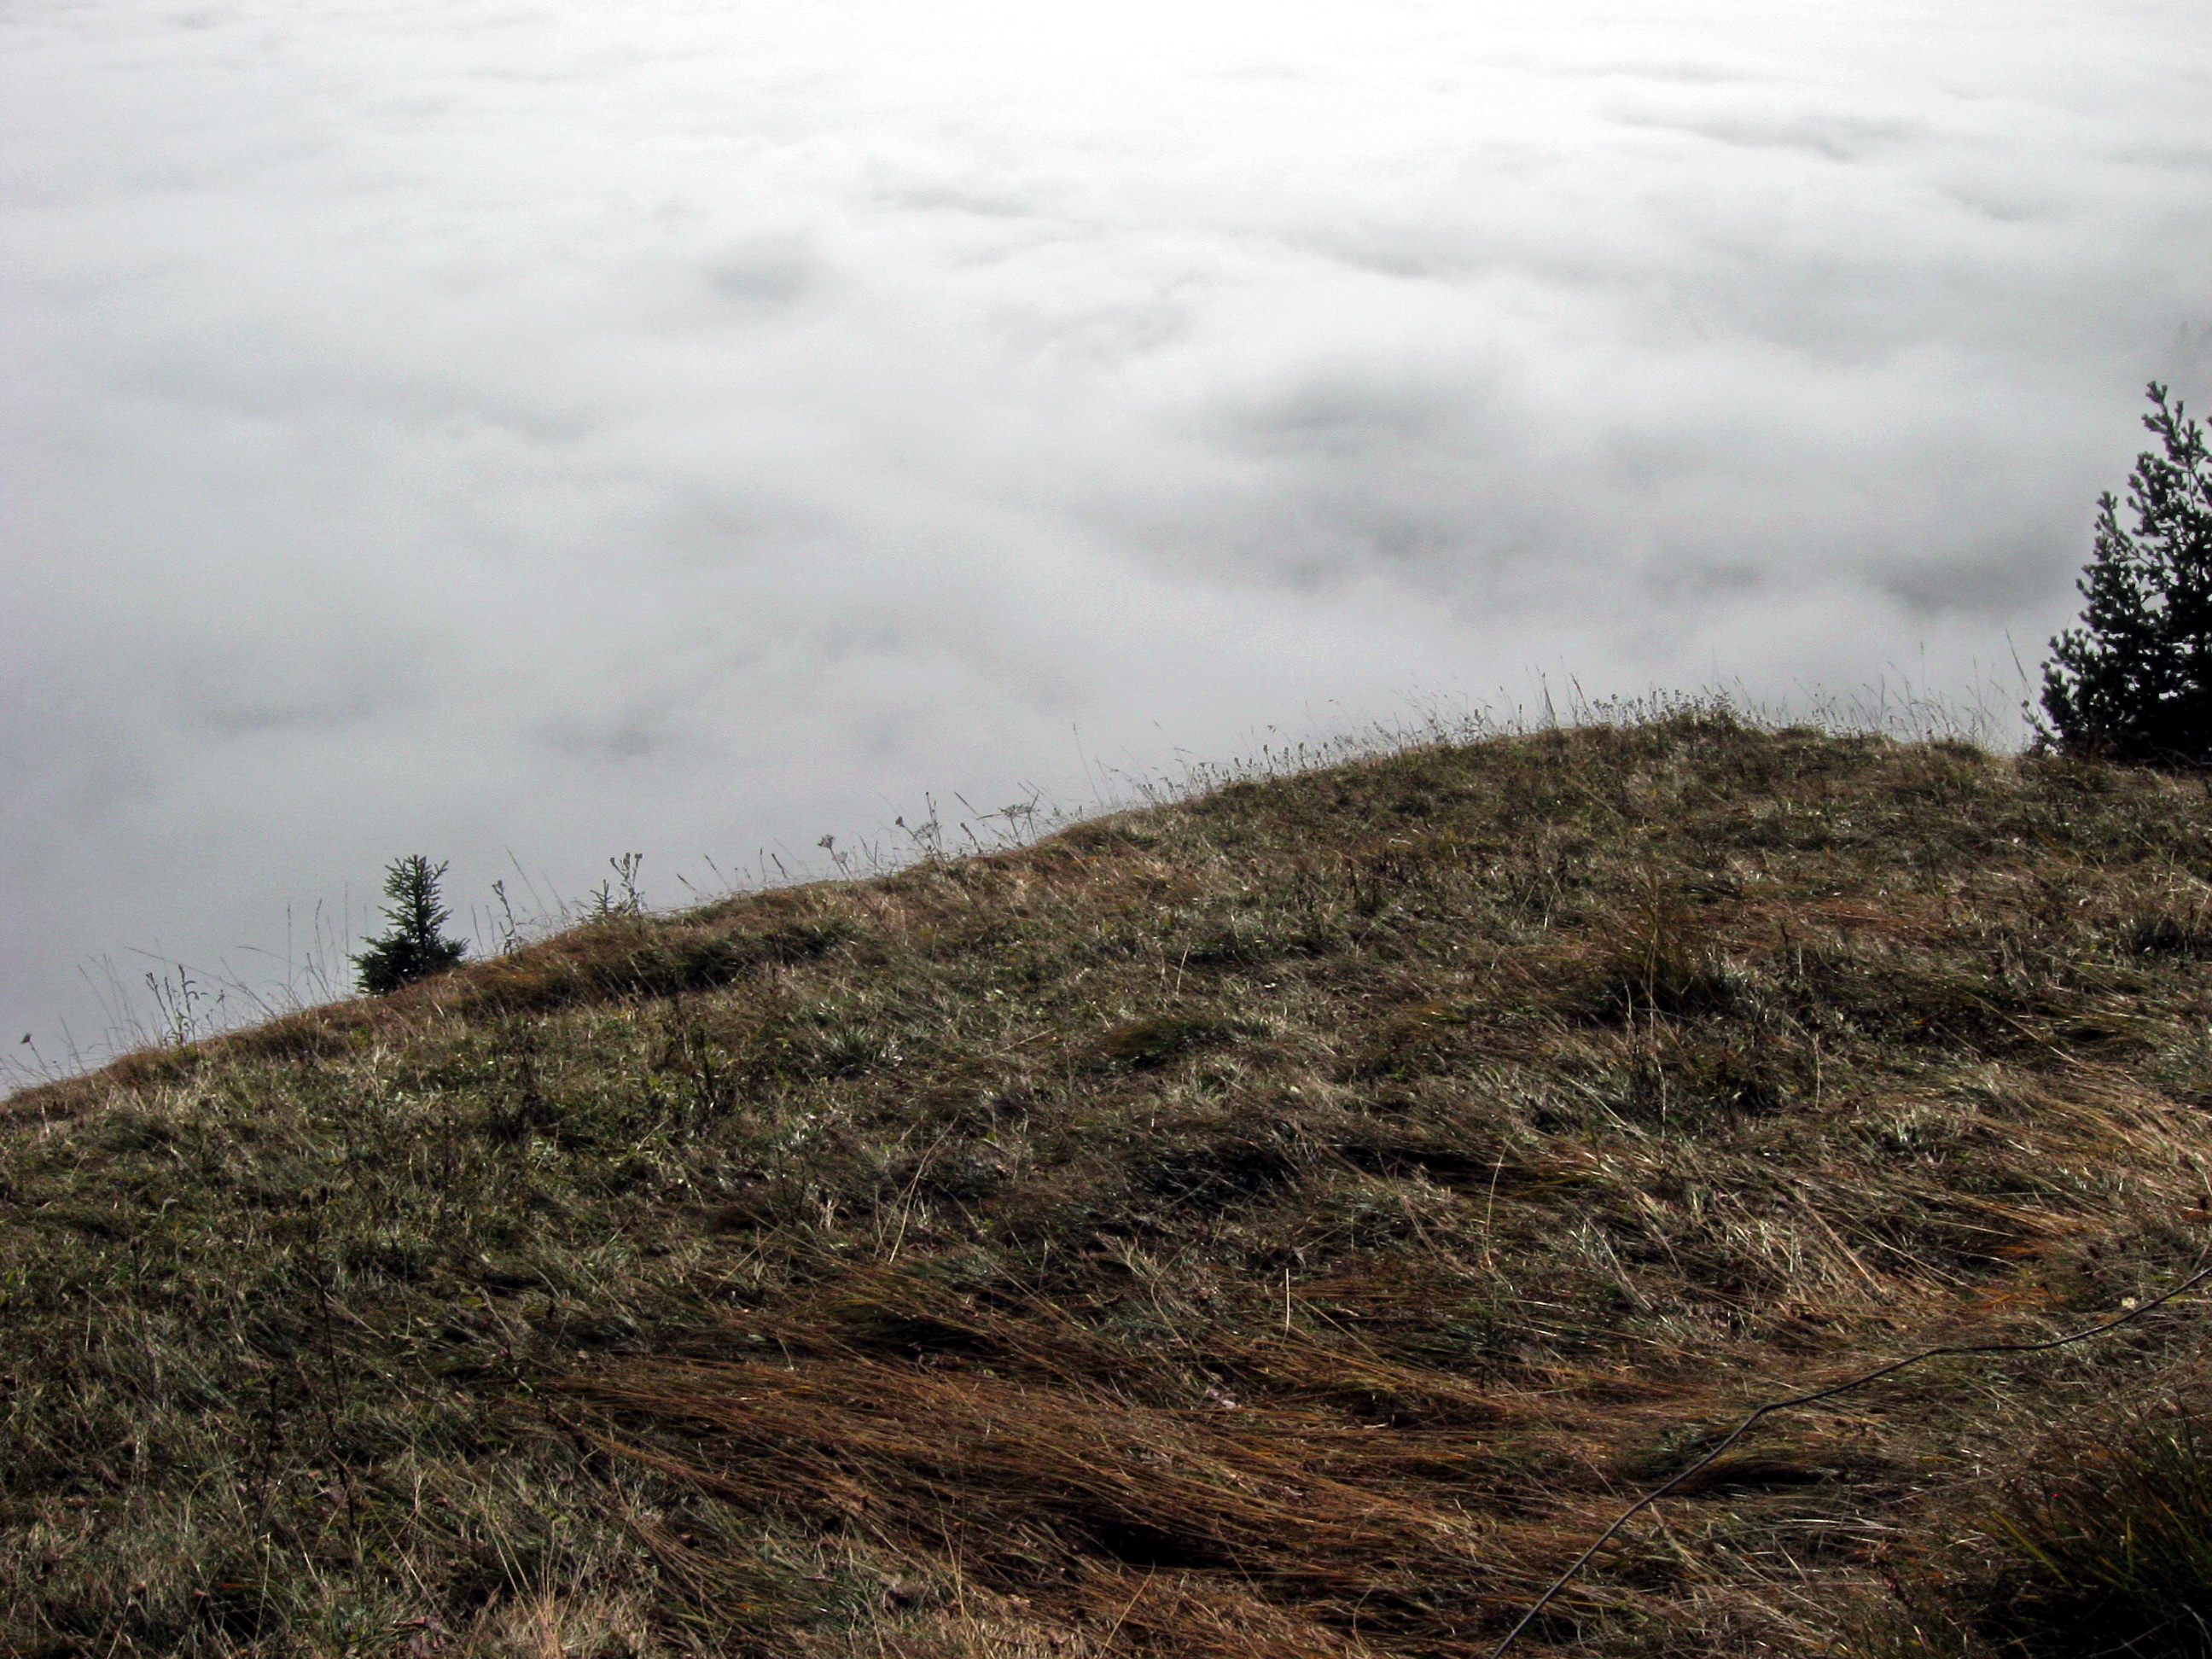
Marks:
<point>1652,1496</point>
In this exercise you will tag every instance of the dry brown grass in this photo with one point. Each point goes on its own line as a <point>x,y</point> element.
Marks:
<point>1289,1221</point>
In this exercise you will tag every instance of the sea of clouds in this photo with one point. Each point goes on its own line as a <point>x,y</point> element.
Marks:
<point>531,432</point>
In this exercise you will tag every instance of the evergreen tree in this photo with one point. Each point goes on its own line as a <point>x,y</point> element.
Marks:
<point>414,947</point>
<point>2133,681</point>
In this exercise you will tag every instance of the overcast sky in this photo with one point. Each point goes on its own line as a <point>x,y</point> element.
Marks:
<point>527,433</point>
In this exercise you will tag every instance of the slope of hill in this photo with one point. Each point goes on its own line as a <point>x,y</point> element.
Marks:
<point>1291,1221</point>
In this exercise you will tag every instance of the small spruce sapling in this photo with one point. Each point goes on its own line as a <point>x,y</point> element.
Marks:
<point>414,948</point>
<point>2133,681</point>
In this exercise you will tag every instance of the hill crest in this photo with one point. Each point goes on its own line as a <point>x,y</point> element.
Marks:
<point>1284,1221</point>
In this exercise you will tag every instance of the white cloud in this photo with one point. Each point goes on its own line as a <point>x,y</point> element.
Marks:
<point>576,427</point>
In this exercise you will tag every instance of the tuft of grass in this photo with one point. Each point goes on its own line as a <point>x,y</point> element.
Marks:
<point>2104,1552</point>
<point>2165,936</point>
<point>1661,964</point>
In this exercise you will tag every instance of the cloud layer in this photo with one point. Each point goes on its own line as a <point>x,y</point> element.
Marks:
<point>691,426</point>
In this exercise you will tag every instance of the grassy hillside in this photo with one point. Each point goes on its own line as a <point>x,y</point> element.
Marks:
<point>1288,1222</point>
